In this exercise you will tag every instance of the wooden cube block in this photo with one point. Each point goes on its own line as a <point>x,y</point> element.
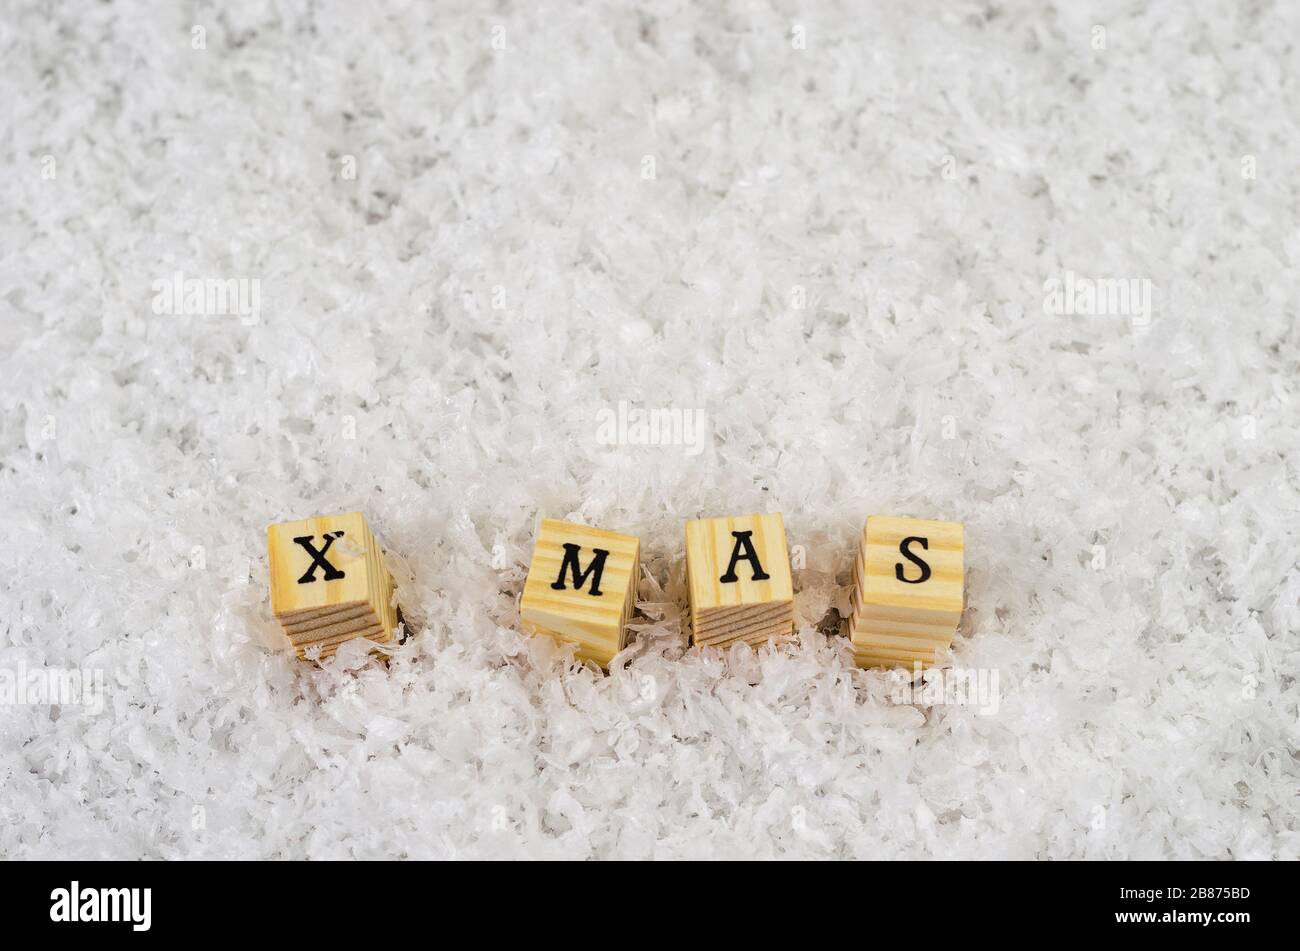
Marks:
<point>908,591</point>
<point>738,572</point>
<point>329,583</point>
<point>581,587</point>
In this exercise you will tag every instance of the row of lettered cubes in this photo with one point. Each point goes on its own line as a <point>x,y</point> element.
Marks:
<point>329,585</point>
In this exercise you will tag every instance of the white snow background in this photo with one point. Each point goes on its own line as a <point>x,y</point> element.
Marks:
<point>827,226</point>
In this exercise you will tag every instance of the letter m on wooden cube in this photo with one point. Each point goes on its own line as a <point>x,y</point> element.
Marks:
<point>581,587</point>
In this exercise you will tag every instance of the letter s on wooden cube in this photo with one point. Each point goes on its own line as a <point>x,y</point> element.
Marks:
<point>908,590</point>
<point>581,587</point>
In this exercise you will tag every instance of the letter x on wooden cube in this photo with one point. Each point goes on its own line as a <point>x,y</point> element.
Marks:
<point>908,591</point>
<point>328,583</point>
<point>581,587</point>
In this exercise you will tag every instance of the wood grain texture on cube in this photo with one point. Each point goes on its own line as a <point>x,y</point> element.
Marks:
<point>732,601</point>
<point>596,623</point>
<point>908,589</point>
<point>329,583</point>
<point>290,561</point>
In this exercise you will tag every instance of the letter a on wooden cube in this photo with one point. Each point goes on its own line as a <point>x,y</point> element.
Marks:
<point>581,587</point>
<point>738,570</point>
<point>908,591</point>
<point>329,583</point>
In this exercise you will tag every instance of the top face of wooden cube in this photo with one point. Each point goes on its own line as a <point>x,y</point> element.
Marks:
<point>721,556</point>
<point>327,561</point>
<point>573,589</point>
<point>912,565</point>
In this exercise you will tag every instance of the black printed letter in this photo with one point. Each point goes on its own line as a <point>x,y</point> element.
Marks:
<point>751,556</point>
<point>925,569</point>
<point>318,558</point>
<point>570,563</point>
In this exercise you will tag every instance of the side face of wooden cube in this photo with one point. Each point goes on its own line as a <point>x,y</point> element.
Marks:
<point>581,587</point>
<point>738,573</point>
<point>909,590</point>
<point>328,582</point>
